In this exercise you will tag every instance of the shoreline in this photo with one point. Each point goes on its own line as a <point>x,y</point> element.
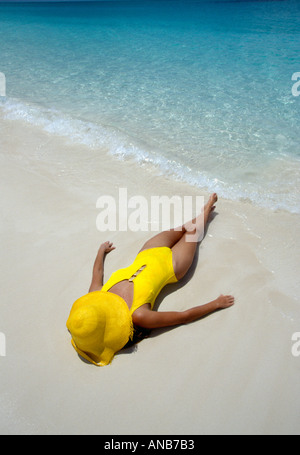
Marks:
<point>113,144</point>
<point>230,373</point>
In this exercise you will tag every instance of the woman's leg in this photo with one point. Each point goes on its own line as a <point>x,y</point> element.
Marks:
<point>172,237</point>
<point>185,248</point>
<point>165,238</point>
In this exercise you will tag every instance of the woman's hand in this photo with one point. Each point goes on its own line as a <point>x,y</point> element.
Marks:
<point>224,301</point>
<point>107,247</point>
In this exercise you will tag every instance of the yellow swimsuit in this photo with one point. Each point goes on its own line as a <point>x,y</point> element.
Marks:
<point>150,272</point>
<point>101,323</point>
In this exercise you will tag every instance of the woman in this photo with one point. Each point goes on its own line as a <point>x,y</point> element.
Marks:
<point>102,322</point>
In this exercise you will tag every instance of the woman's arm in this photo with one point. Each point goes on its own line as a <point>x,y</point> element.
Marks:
<point>98,270</point>
<point>144,317</point>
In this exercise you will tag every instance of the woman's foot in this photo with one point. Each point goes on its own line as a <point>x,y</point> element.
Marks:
<point>210,206</point>
<point>212,201</point>
<point>197,225</point>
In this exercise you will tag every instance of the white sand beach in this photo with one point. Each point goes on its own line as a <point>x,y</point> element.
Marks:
<point>230,373</point>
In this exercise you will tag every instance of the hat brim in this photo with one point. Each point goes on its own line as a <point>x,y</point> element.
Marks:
<point>86,357</point>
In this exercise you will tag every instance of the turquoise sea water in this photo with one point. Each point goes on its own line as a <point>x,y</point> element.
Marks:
<point>201,89</point>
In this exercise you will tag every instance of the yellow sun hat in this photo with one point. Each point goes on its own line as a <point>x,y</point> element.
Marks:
<point>100,325</point>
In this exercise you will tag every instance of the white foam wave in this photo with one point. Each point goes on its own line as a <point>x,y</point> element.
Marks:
<point>121,146</point>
